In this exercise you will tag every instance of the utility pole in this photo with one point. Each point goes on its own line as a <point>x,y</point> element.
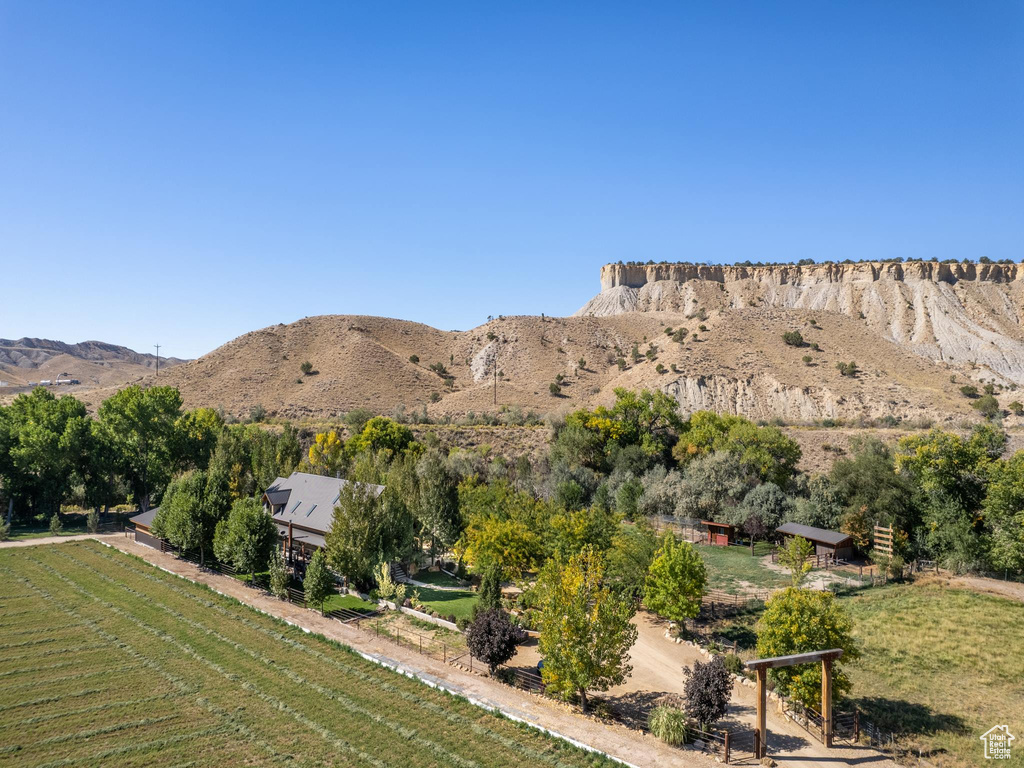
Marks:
<point>157,359</point>
<point>496,376</point>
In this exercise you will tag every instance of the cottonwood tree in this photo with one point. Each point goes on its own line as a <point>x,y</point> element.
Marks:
<point>801,621</point>
<point>586,632</point>
<point>142,429</point>
<point>367,528</point>
<point>707,690</point>
<point>676,581</point>
<point>278,574</point>
<point>248,538</point>
<point>318,584</point>
<point>327,453</point>
<point>493,638</point>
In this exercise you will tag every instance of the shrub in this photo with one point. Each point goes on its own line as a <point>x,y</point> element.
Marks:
<point>848,369</point>
<point>621,362</point>
<point>1016,408</point>
<point>815,347</point>
<point>807,359</point>
<point>55,525</point>
<point>582,363</point>
<point>675,368</point>
<point>278,576</point>
<point>969,390</point>
<point>306,368</point>
<point>5,531</point>
<point>793,338</point>
<point>257,413</point>
<point>559,378</point>
<point>554,389</point>
<point>668,724</point>
<point>92,521</point>
<point>414,359</point>
<point>707,690</point>
<point>702,328</point>
<point>987,406</point>
<point>491,335</point>
<point>733,663</point>
<point>680,335</point>
<point>435,397</point>
<point>659,368</point>
<point>492,638</point>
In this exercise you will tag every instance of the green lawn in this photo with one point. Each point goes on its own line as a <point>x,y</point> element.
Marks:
<point>734,570</point>
<point>109,661</point>
<point>942,665</point>
<point>349,603</point>
<point>437,578</point>
<point>447,602</point>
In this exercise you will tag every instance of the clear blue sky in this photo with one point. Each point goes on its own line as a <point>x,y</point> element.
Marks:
<point>183,172</point>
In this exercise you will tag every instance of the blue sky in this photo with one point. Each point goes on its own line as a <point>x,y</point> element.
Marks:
<point>183,172</point>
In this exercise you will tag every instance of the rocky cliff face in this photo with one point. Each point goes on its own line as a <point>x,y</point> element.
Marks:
<point>966,315</point>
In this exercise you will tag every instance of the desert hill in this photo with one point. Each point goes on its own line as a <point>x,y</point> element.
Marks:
<point>738,364</point>
<point>93,363</point>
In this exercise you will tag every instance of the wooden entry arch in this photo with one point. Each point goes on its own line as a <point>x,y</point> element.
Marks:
<point>761,667</point>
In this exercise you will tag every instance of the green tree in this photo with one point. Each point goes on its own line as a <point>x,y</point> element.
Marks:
<point>142,430</point>
<point>369,526</point>
<point>381,434</point>
<point>629,559</point>
<point>278,573</point>
<point>1003,510</point>
<point>762,510</point>
<point>987,406</point>
<point>506,544</point>
<point>438,500</point>
<point>796,556</point>
<point>247,538</point>
<point>793,338</point>
<point>55,525</point>
<point>586,629</point>
<point>44,448</point>
<point>192,506</point>
<point>490,590</point>
<point>676,581</point>
<point>318,584</point>
<point>802,621</point>
<point>573,529</point>
<point>871,491</point>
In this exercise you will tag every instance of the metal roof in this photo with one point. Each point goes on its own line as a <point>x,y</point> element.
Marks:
<point>146,518</point>
<point>819,535</point>
<point>309,499</point>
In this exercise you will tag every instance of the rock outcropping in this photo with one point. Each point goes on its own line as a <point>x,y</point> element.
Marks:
<point>960,314</point>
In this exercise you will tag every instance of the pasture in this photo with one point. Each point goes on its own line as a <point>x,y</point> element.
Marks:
<point>105,660</point>
<point>939,665</point>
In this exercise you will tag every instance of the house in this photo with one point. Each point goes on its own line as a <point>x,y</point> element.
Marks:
<point>838,545</point>
<point>303,508</point>
<point>998,741</point>
<point>719,534</point>
<point>143,523</point>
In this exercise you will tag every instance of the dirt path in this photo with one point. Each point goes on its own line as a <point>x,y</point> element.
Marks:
<point>60,539</point>
<point>658,670</point>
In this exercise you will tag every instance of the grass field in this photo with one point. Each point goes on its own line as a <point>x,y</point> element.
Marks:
<point>732,569</point>
<point>105,660</point>
<point>438,579</point>
<point>941,665</point>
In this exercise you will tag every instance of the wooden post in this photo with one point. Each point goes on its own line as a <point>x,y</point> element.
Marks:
<point>762,707</point>
<point>826,702</point>
<point>725,756</point>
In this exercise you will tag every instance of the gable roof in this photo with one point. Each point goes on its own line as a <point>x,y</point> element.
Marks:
<point>818,535</point>
<point>146,518</point>
<point>309,499</point>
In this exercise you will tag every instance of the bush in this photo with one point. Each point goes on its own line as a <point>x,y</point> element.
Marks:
<point>55,525</point>
<point>987,406</point>
<point>707,690</point>
<point>807,359</point>
<point>92,521</point>
<point>969,390</point>
<point>257,413</point>
<point>848,369</point>
<point>668,724</point>
<point>1016,407</point>
<point>659,368</point>
<point>492,638</point>
<point>5,531</point>
<point>733,663</point>
<point>554,389</point>
<point>793,338</point>
<point>621,362</point>
<point>306,368</point>
<point>414,359</point>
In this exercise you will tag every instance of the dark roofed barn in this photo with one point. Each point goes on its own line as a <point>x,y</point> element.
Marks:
<point>835,543</point>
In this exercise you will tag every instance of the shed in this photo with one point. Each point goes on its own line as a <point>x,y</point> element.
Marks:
<point>143,523</point>
<point>719,534</point>
<point>835,543</point>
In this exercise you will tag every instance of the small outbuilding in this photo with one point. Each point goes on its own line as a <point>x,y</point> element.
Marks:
<point>835,543</point>
<point>719,534</point>
<point>143,523</point>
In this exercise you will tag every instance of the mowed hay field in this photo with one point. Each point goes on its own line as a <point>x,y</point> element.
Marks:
<point>941,666</point>
<point>106,660</point>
